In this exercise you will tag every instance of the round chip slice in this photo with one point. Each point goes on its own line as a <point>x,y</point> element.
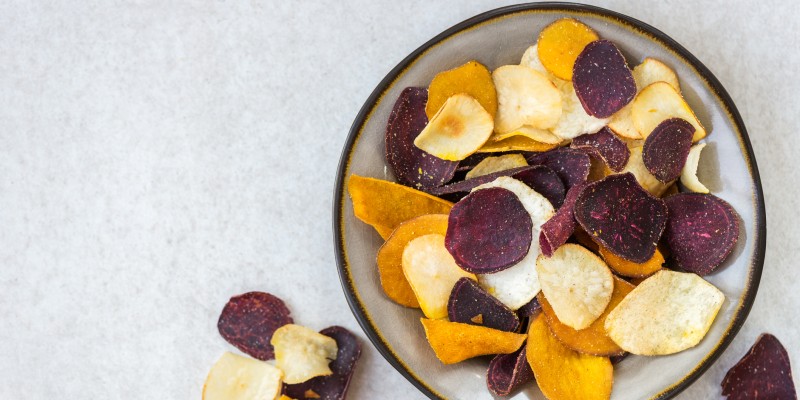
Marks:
<point>560,43</point>
<point>235,377</point>
<point>459,129</point>
<point>605,146</point>
<point>248,321</point>
<point>660,101</point>
<point>636,166</point>
<point>525,97</point>
<point>603,81</point>
<point>577,283</point>
<point>665,150</point>
<point>471,78</point>
<point>689,172</point>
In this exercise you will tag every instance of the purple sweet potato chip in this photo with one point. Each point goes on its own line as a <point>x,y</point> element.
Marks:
<point>702,230</point>
<point>488,231</point>
<point>531,309</point>
<point>470,304</point>
<point>331,387</point>
<point>544,181</point>
<point>603,82</point>
<point>557,230</point>
<point>508,372</point>
<point>619,214</point>
<point>666,149</point>
<point>412,166</point>
<point>606,146</point>
<point>456,191</point>
<point>571,165</point>
<point>248,321</point>
<point>763,373</point>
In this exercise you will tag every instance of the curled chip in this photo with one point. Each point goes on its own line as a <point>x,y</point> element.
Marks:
<point>563,373</point>
<point>574,121</point>
<point>471,78</point>
<point>577,284</point>
<point>497,164</point>
<point>666,148</point>
<point>643,176</point>
<point>249,320</point>
<point>544,181</point>
<point>539,135</point>
<point>689,172</point>
<point>507,372</point>
<point>593,339</point>
<point>390,256</point>
<point>763,373</point>
<point>571,165</point>
<point>384,204</point>
<point>621,216</point>
<point>631,269</point>
<point>235,377</point>
<point>459,129</point>
<point>412,166</point>
<point>331,387</point>
<point>660,101</point>
<point>431,272</point>
<point>605,146</point>
<point>560,43</point>
<point>302,353</point>
<point>525,97</point>
<point>602,79</point>
<point>702,230</point>
<point>557,230</point>
<point>455,342</point>
<point>667,313</point>
<point>469,304</point>
<point>488,231</point>
<point>516,143</point>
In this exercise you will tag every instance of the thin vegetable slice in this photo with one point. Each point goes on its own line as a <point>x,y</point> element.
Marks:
<point>471,78</point>
<point>560,43</point>
<point>507,372</point>
<point>459,129</point>
<point>660,101</point>
<point>666,148</point>
<point>539,135</point>
<point>454,342</point>
<point>643,176</point>
<point>574,121</point>
<point>496,164</point>
<point>689,172</point>
<point>632,269</point>
<point>571,165</point>
<point>331,387</point>
<point>763,373</point>
<point>248,321</point>
<point>234,377</point>
<point>470,304</point>
<point>516,143</point>
<point>558,229</point>
<point>606,146</point>
<point>302,353</point>
<point>603,82</point>
<point>525,97</point>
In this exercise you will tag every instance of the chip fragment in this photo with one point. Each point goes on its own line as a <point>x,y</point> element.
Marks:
<point>605,146</point>
<point>631,269</point>
<point>248,321</point>
<point>459,129</point>
<point>689,172</point>
<point>557,230</point>
<point>234,377</point>
<point>331,387</point>
<point>660,101</point>
<point>454,342</point>
<point>666,149</point>
<point>470,304</point>
<point>507,372</point>
<point>603,82</point>
<point>560,44</point>
<point>571,165</point>
<point>472,78</point>
<point>497,164</point>
<point>702,230</point>
<point>525,97</point>
<point>763,373</point>
<point>302,353</point>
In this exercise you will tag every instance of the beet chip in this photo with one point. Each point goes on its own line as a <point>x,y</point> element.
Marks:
<point>455,191</point>
<point>666,149</point>
<point>603,82</point>
<point>545,182</point>
<point>606,146</point>
<point>531,309</point>
<point>763,373</point>
<point>507,372</point>
<point>618,213</point>
<point>331,387</point>
<point>470,304</point>
<point>701,231</point>
<point>412,166</point>
<point>488,231</point>
<point>249,320</point>
<point>571,165</point>
<point>557,230</point>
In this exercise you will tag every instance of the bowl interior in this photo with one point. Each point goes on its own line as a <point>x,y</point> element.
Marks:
<point>498,39</point>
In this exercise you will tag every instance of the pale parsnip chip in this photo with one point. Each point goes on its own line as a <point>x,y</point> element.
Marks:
<point>577,283</point>
<point>636,166</point>
<point>660,101</point>
<point>539,135</point>
<point>457,130</point>
<point>525,97</point>
<point>302,353</point>
<point>495,164</point>
<point>667,313</point>
<point>234,377</point>
<point>531,59</point>
<point>432,272</point>
<point>689,173</point>
<point>574,120</point>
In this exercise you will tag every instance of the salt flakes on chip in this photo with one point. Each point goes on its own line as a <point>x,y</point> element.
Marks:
<point>525,97</point>
<point>457,130</point>
<point>302,353</point>
<point>234,377</point>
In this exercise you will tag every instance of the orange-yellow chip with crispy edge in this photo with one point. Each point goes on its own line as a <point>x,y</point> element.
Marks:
<point>592,340</point>
<point>515,143</point>
<point>563,373</point>
<point>454,342</point>
<point>560,43</point>
<point>385,205</point>
<point>471,78</point>
<point>390,256</point>
<point>630,268</point>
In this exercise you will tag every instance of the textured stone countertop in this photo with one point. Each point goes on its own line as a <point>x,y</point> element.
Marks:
<point>157,157</point>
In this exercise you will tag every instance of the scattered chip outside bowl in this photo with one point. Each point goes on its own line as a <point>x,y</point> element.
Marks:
<point>248,321</point>
<point>459,129</point>
<point>763,373</point>
<point>234,377</point>
<point>302,353</point>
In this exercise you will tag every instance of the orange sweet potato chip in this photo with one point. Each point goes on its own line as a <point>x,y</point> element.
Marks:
<point>385,205</point>
<point>563,373</point>
<point>471,78</point>
<point>593,339</point>
<point>390,256</point>
<point>585,239</point>
<point>515,143</point>
<point>630,268</point>
<point>454,342</point>
<point>560,43</point>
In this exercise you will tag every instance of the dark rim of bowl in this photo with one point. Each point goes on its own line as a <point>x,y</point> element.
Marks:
<point>705,73</point>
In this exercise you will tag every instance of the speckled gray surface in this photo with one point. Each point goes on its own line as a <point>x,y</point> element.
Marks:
<point>157,158</point>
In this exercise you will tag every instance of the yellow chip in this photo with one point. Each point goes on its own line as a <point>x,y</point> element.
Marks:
<point>560,43</point>
<point>390,256</point>
<point>667,313</point>
<point>563,373</point>
<point>471,78</point>
<point>516,143</point>
<point>660,101</point>
<point>302,353</point>
<point>525,97</point>
<point>432,272</point>
<point>385,205</point>
<point>495,164</point>
<point>285,397</point>
<point>455,342</point>
<point>235,377</point>
<point>459,129</point>
<point>630,268</point>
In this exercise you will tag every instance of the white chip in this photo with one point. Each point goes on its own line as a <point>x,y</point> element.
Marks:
<point>525,97</point>
<point>457,130</point>
<point>234,377</point>
<point>636,166</point>
<point>302,353</point>
<point>667,313</point>
<point>495,164</point>
<point>531,59</point>
<point>689,172</point>
<point>660,101</point>
<point>574,120</point>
